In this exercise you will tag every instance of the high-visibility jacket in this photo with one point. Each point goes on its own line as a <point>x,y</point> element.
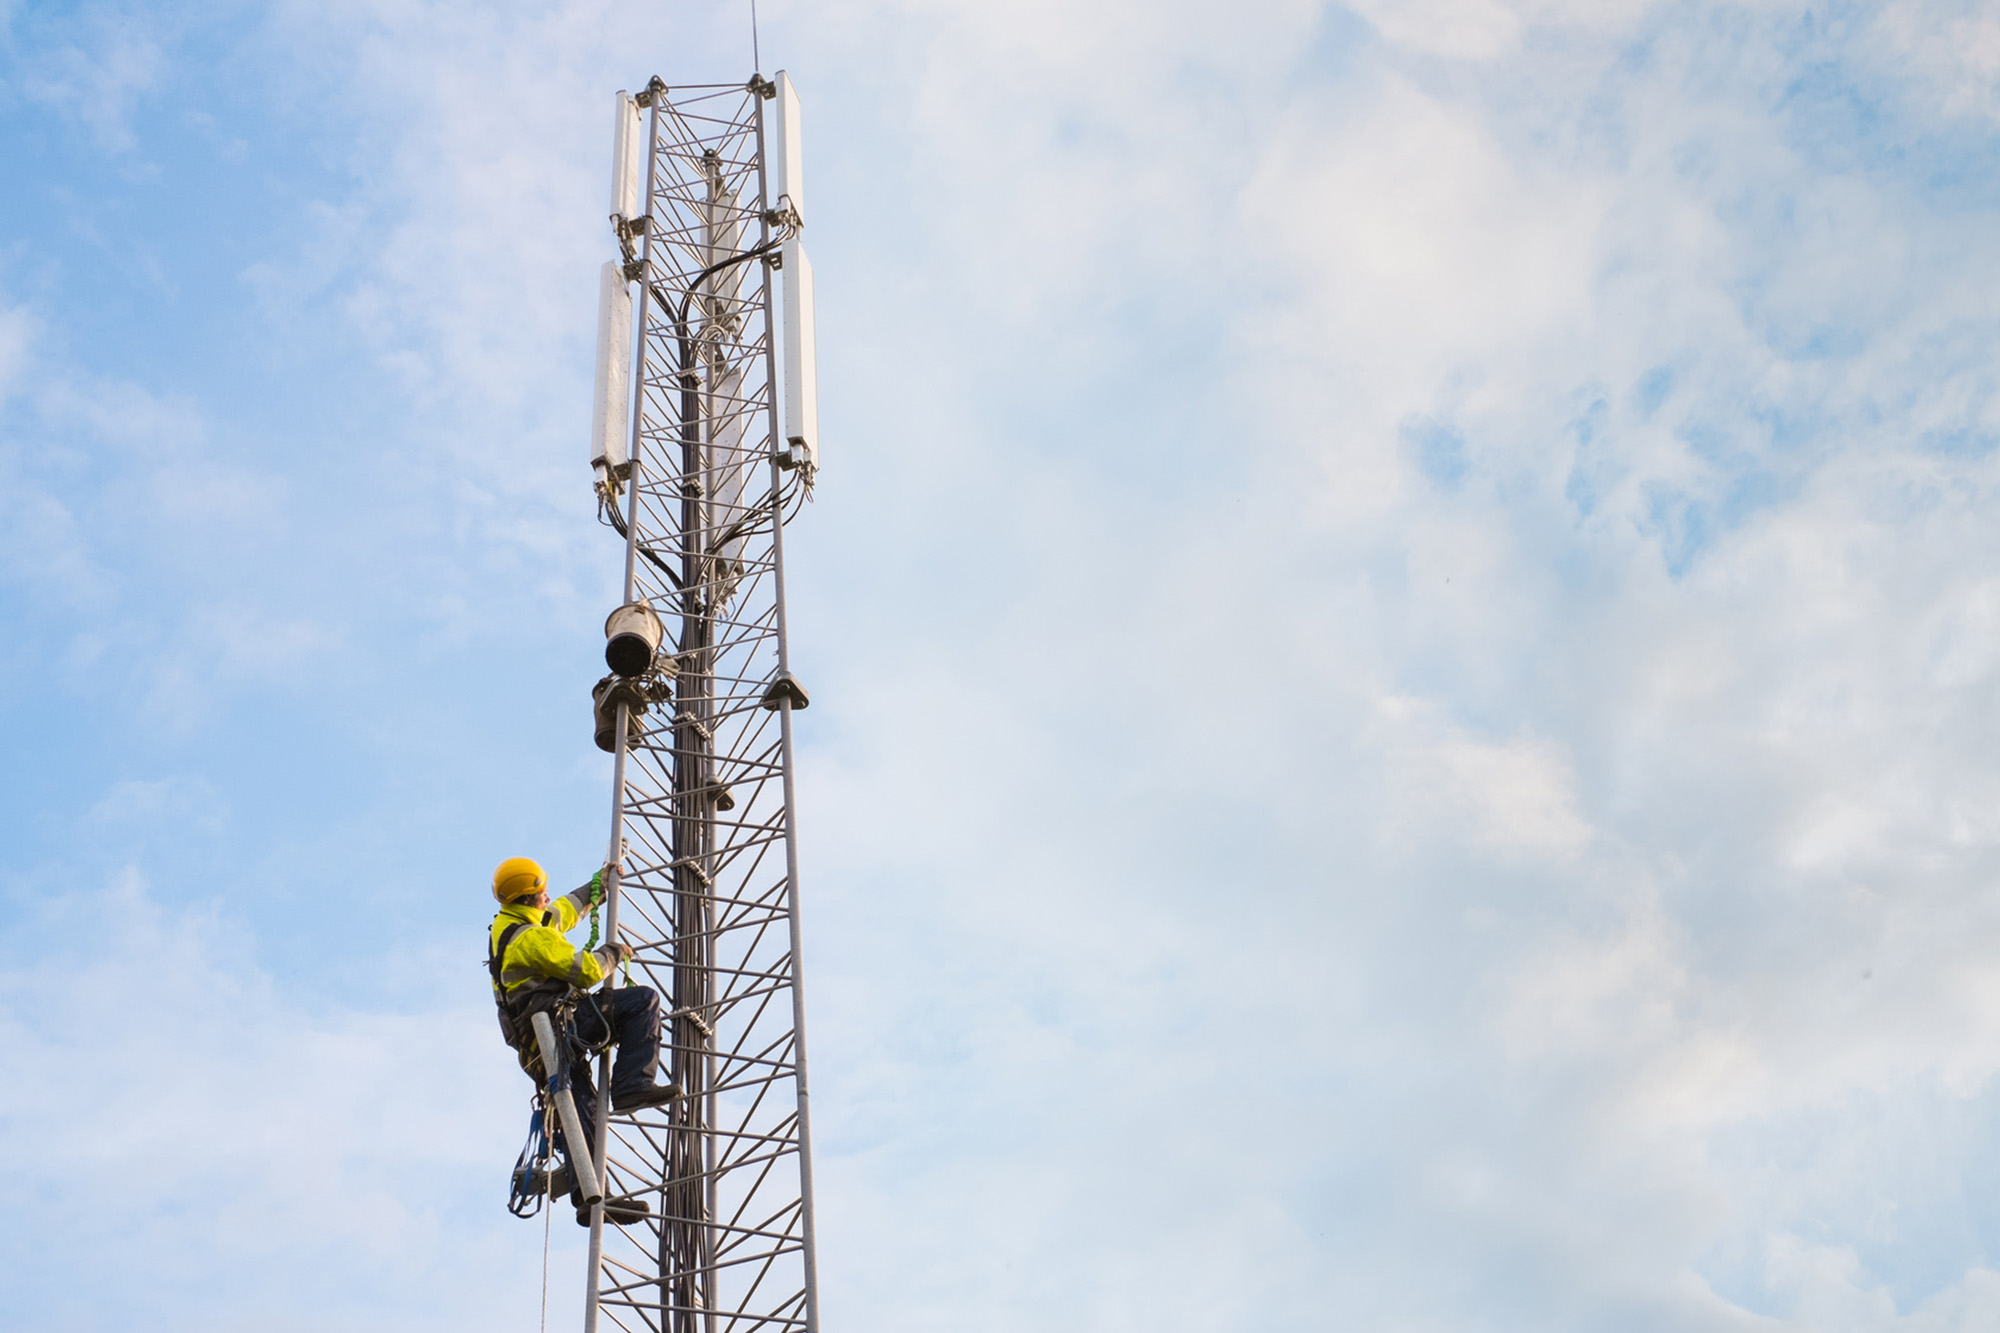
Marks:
<point>539,950</point>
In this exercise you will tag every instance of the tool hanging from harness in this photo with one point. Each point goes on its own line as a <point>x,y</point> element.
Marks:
<point>530,1182</point>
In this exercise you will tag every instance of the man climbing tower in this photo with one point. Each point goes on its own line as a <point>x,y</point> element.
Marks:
<point>536,969</point>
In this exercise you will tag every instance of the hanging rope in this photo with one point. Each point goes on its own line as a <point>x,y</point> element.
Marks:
<point>547,1215</point>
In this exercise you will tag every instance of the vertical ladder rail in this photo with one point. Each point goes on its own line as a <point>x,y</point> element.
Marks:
<point>615,854</point>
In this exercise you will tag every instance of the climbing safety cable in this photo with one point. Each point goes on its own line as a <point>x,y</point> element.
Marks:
<point>546,1216</point>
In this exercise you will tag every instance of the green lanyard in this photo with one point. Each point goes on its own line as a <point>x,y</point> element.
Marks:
<point>596,898</point>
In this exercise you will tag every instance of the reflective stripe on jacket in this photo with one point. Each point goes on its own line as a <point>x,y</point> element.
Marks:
<point>541,951</point>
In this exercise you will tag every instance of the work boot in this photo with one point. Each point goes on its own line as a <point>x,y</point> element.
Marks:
<point>618,1212</point>
<point>625,1101</point>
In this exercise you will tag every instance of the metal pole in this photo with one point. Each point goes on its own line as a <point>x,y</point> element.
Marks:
<point>798,956</point>
<point>810,1251</point>
<point>615,856</point>
<point>565,1106</point>
<point>716,590</point>
<point>682,1235</point>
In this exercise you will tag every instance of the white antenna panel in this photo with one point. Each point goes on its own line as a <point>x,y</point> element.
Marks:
<point>627,138</point>
<point>801,398</point>
<point>788,180</point>
<point>614,375</point>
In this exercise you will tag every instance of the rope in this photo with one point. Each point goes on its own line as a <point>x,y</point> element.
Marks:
<point>547,1214</point>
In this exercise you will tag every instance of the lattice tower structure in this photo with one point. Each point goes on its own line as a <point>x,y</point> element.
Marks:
<point>704,816</point>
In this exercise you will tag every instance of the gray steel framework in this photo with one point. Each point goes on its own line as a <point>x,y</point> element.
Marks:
<point>703,819</point>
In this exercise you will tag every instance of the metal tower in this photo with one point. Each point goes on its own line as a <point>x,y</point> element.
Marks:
<point>698,473</point>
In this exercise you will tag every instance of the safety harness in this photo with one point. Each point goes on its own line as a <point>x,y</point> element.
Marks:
<point>543,995</point>
<point>549,995</point>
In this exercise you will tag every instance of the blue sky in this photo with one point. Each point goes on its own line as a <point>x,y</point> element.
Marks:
<point>1403,617</point>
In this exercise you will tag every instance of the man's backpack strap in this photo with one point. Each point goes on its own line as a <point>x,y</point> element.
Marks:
<point>499,953</point>
<point>513,1026</point>
<point>530,998</point>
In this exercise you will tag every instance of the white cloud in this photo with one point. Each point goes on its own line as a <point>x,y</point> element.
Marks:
<point>17,332</point>
<point>1680,852</point>
<point>1467,29</point>
<point>229,1151</point>
<point>1950,52</point>
<point>1422,239</point>
<point>1516,797</point>
<point>98,75</point>
<point>189,801</point>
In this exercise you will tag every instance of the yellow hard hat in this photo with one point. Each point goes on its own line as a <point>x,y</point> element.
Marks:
<point>518,877</point>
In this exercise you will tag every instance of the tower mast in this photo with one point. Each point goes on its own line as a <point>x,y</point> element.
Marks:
<point>704,812</point>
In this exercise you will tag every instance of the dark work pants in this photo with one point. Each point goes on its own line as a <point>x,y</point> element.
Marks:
<point>634,1014</point>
